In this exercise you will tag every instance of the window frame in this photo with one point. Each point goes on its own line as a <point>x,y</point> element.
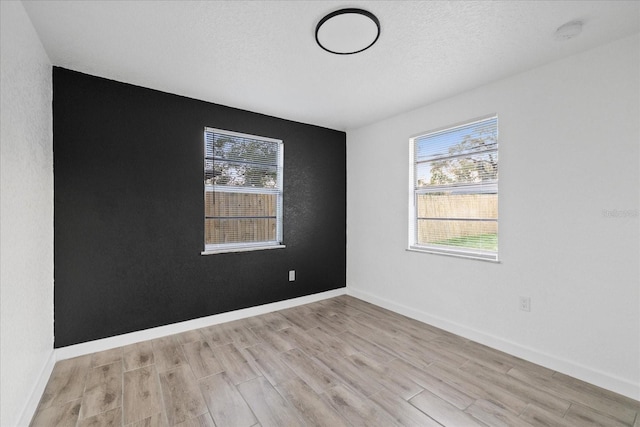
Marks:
<point>278,191</point>
<point>414,192</point>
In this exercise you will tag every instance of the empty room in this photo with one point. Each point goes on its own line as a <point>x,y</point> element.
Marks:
<point>320,213</point>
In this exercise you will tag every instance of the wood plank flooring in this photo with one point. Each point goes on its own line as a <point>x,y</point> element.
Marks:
<point>336,362</point>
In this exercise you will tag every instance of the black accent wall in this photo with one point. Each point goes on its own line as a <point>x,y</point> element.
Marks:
<point>128,211</point>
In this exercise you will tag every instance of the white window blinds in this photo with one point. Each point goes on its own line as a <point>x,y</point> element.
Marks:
<point>243,191</point>
<point>454,184</point>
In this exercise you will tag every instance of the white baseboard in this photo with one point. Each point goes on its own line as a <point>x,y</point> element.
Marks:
<point>585,373</point>
<point>175,328</point>
<point>31,405</point>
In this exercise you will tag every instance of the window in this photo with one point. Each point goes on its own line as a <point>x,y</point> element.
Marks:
<point>242,192</point>
<point>454,185</point>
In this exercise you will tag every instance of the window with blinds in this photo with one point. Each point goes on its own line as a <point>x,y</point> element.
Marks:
<point>242,191</point>
<point>454,186</point>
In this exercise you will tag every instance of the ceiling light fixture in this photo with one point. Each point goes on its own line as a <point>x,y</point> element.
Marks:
<point>347,31</point>
<point>569,30</point>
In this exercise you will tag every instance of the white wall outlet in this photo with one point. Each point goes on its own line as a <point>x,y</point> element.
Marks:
<point>292,275</point>
<point>525,303</point>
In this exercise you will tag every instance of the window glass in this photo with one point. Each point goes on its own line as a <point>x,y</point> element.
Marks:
<point>242,191</point>
<point>454,186</point>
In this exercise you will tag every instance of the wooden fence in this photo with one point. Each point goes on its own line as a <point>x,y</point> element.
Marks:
<point>455,206</point>
<point>227,227</point>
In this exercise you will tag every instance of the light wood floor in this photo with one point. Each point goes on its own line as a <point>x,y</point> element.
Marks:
<point>338,362</point>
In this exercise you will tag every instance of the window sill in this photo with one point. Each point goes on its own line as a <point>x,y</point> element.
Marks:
<point>493,258</point>
<point>240,249</point>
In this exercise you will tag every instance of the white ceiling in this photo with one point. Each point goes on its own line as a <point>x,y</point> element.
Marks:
<point>262,56</point>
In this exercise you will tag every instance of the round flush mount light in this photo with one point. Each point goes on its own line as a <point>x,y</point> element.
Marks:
<point>569,30</point>
<point>347,31</point>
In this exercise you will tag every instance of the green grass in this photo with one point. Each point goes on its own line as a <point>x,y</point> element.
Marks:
<point>480,241</point>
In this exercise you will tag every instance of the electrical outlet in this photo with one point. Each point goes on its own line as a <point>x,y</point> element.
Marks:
<point>525,303</point>
<point>292,275</point>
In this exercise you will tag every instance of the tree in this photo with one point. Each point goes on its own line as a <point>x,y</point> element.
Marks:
<point>471,160</point>
<point>242,162</point>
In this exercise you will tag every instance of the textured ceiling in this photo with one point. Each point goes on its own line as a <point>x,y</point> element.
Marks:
<point>261,55</point>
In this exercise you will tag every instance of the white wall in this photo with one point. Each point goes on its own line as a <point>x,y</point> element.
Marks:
<point>26,214</point>
<point>569,135</point>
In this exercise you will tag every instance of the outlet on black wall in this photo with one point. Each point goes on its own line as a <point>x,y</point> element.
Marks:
<point>129,211</point>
